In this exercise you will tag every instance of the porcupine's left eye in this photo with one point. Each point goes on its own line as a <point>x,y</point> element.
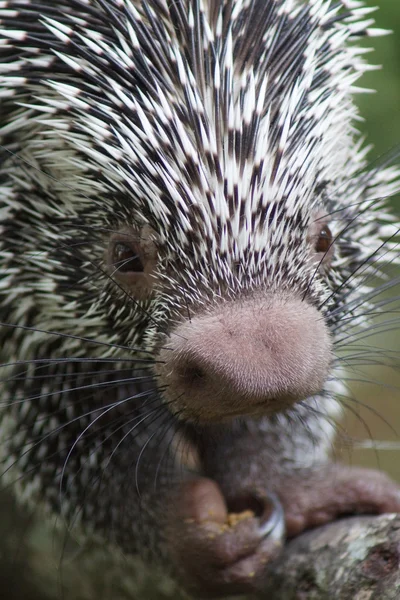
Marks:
<point>126,258</point>
<point>131,261</point>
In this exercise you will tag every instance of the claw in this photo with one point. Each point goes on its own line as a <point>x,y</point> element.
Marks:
<point>272,522</point>
<point>266,507</point>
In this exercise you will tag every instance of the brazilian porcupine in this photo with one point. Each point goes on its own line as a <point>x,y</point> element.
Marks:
<point>185,209</point>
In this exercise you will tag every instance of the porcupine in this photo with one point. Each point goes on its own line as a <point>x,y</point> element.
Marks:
<point>185,211</point>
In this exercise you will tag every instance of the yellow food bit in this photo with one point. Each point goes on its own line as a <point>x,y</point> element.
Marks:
<point>235,518</point>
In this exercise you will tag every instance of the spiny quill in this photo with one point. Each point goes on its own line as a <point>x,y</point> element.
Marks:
<point>189,235</point>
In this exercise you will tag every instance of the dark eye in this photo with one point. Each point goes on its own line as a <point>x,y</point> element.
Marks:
<point>126,259</point>
<point>131,261</point>
<point>324,240</point>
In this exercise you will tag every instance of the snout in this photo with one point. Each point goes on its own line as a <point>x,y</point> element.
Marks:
<point>253,357</point>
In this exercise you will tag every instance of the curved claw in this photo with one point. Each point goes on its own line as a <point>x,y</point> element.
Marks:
<point>272,522</point>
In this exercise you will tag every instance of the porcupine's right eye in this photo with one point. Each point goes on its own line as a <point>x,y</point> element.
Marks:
<point>131,261</point>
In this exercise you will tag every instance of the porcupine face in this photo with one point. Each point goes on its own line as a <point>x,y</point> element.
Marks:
<point>186,190</point>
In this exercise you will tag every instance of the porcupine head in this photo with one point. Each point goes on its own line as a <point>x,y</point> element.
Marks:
<point>187,217</point>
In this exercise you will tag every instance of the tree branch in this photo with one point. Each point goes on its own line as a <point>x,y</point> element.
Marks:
<point>353,559</point>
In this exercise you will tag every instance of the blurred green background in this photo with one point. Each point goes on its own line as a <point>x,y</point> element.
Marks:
<point>376,422</point>
<point>381,110</point>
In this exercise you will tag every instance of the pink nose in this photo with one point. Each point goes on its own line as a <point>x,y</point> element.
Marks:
<point>255,357</point>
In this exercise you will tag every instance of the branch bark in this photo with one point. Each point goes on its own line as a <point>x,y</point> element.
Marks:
<point>353,559</point>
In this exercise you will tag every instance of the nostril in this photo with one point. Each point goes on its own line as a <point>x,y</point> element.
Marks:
<point>193,374</point>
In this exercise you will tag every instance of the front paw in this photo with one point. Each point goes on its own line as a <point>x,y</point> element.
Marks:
<point>217,552</point>
<point>325,494</point>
